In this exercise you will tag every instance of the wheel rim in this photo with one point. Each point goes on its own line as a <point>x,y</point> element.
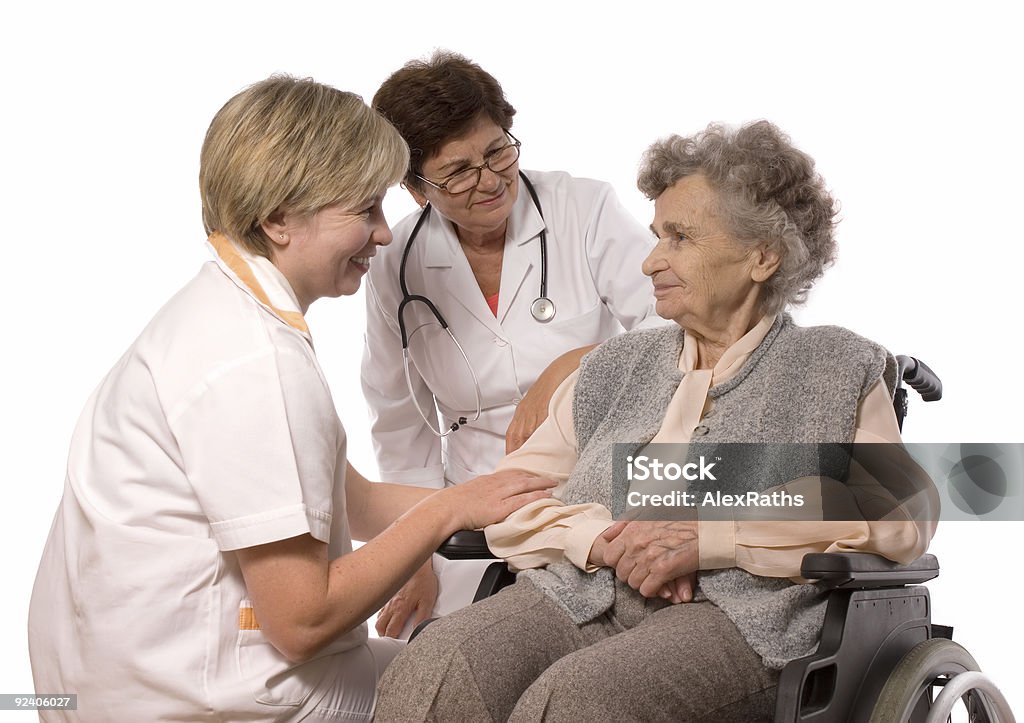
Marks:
<point>916,674</point>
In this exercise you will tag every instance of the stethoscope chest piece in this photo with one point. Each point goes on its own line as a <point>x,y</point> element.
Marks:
<point>542,309</point>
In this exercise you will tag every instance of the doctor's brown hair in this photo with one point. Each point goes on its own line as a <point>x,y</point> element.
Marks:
<point>294,145</point>
<point>434,101</point>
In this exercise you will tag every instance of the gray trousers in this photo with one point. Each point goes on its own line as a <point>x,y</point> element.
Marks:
<point>518,657</point>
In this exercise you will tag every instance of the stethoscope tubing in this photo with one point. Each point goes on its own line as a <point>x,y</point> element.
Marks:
<point>542,309</point>
<point>543,238</point>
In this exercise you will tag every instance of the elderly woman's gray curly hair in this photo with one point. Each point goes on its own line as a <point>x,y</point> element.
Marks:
<point>767,191</point>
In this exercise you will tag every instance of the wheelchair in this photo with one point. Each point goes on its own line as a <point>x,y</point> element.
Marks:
<point>880,659</point>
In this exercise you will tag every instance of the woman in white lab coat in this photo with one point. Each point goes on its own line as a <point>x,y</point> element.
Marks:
<point>200,565</point>
<point>479,253</point>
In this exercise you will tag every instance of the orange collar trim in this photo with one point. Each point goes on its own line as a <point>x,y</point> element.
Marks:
<point>234,260</point>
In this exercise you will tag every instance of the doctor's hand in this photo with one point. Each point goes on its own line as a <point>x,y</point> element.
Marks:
<point>533,409</point>
<point>652,555</point>
<point>491,498</point>
<point>530,414</point>
<point>415,599</point>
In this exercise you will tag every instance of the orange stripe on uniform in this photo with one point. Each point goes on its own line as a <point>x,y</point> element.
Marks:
<point>247,619</point>
<point>226,250</point>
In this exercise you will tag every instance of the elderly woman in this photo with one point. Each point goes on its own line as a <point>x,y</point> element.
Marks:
<point>200,565</point>
<point>604,623</point>
<point>524,267</point>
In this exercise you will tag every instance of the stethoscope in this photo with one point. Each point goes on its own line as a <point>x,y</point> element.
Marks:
<point>542,309</point>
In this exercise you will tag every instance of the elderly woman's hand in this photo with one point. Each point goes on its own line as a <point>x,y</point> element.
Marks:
<point>654,556</point>
<point>679,590</point>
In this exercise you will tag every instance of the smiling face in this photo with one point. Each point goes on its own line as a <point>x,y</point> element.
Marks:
<point>327,253</point>
<point>484,209</point>
<point>704,279</point>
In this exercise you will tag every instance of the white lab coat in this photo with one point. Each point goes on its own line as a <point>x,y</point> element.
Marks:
<point>595,251</point>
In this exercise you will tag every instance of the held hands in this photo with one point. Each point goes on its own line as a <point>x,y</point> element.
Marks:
<point>657,559</point>
<point>679,590</point>
<point>493,497</point>
<point>416,598</point>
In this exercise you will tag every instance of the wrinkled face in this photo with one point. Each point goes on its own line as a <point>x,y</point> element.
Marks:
<point>701,274</point>
<point>482,209</point>
<point>328,253</point>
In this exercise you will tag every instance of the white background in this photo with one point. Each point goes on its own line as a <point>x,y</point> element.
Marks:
<point>912,111</point>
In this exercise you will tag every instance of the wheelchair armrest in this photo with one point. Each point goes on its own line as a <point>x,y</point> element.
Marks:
<point>866,570</point>
<point>466,545</point>
<point>838,569</point>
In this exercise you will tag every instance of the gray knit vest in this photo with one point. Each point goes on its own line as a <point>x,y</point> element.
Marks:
<point>799,385</point>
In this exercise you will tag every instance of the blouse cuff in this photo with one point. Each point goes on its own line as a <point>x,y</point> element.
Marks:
<point>717,541</point>
<point>581,539</point>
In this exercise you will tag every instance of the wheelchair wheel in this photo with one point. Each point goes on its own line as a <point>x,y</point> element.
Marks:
<point>913,678</point>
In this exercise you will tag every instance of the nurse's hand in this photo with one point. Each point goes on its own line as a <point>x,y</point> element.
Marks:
<point>416,599</point>
<point>491,498</point>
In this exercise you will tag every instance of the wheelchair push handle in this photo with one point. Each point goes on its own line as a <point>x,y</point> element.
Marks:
<point>920,377</point>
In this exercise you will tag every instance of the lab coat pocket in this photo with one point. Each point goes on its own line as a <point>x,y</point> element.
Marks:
<point>274,680</point>
<point>578,330</point>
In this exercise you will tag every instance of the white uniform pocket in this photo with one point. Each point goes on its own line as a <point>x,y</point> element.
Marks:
<point>274,680</point>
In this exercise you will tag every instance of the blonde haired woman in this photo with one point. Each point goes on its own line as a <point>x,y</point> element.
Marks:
<point>200,564</point>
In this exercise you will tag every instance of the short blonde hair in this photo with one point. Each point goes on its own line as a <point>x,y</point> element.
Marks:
<point>293,145</point>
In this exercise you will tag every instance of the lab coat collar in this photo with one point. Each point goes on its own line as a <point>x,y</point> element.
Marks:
<point>443,259</point>
<point>524,225</point>
<point>442,253</point>
<point>439,241</point>
<point>523,235</point>
<point>257,276</point>
<point>525,222</point>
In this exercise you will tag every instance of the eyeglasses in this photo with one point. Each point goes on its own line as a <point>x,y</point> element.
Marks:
<point>498,160</point>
